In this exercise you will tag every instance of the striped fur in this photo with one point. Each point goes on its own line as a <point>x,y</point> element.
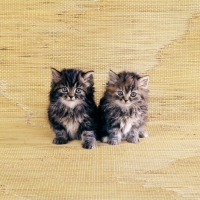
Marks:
<point>72,110</point>
<point>123,109</point>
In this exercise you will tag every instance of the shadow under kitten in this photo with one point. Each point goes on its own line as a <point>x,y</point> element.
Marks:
<point>124,108</point>
<point>72,111</point>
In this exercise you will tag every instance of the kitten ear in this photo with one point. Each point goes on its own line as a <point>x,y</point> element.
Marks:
<point>113,77</point>
<point>144,82</point>
<point>88,75</point>
<point>56,75</point>
<point>87,78</point>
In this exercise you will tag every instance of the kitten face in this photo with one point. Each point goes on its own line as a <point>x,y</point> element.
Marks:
<point>127,88</point>
<point>71,96</point>
<point>71,86</point>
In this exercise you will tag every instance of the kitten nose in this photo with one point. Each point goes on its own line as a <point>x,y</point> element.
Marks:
<point>71,97</point>
<point>125,100</point>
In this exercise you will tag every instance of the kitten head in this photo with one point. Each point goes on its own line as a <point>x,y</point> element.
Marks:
<point>71,86</point>
<point>127,88</point>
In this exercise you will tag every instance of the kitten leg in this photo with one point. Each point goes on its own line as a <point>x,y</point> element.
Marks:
<point>114,137</point>
<point>88,140</point>
<point>133,137</point>
<point>61,137</point>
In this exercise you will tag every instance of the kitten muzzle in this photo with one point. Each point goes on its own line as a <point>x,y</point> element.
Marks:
<point>71,98</point>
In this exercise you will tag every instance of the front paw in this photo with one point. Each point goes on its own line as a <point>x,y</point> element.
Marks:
<point>59,140</point>
<point>89,144</point>
<point>143,134</point>
<point>133,139</point>
<point>88,140</point>
<point>114,141</point>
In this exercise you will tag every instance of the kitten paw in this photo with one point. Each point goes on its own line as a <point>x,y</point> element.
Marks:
<point>114,141</point>
<point>104,139</point>
<point>143,134</point>
<point>133,140</point>
<point>59,140</point>
<point>89,145</point>
<point>88,140</point>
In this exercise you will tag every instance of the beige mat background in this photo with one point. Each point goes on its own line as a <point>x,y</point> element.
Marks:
<point>159,38</point>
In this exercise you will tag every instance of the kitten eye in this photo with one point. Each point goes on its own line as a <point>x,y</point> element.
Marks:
<point>78,90</point>
<point>133,94</point>
<point>64,89</point>
<point>120,93</point>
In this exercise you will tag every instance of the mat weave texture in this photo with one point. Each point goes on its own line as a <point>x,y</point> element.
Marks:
<point>158,38</point>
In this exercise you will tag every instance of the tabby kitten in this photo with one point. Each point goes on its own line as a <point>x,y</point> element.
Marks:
<point>123,109</point>
<point>72,111</point>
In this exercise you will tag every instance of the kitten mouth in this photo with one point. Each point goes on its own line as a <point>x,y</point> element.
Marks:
<point>122,103</point>
<point>70,102</point>
<point>126,104</point>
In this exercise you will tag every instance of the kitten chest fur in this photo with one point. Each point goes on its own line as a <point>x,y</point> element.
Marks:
<point>71,127</point>
<point>127,122</point>
<point>125,126</point>
<point>71,123</point>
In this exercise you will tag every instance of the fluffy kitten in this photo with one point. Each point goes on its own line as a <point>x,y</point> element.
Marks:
<point>123,109</point>
<point>72,111</point>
